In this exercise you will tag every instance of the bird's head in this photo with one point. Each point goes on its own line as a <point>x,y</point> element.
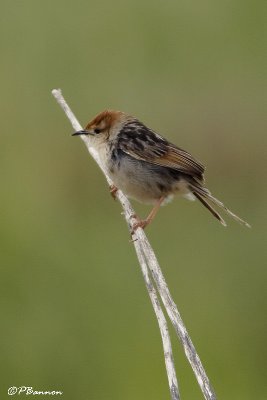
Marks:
<point>104,126</point>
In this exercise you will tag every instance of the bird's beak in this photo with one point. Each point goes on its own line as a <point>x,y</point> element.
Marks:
<point>82,132</point>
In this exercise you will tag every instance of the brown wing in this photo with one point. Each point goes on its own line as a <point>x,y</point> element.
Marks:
<point>142,143</point>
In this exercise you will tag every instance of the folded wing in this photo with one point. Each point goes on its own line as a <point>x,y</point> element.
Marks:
<point>142,143</point>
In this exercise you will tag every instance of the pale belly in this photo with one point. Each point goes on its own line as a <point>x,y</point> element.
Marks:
<point>142,181</point>
<point>146,183</point>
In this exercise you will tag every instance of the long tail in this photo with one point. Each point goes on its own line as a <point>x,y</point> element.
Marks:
<point>203,194</point>
<point>206,204</point>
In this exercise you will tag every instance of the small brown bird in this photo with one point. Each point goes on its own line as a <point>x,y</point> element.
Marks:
<point>147,167</point>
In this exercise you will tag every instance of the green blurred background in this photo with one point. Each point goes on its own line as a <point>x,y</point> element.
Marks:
<point>75,315</point>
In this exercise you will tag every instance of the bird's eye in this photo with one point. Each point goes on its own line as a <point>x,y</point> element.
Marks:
<point>97,130</point>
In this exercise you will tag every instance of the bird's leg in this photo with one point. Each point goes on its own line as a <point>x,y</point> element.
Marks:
<point>113,190</point>
<point>142,223</point>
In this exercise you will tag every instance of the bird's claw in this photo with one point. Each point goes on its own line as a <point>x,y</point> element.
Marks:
<point>140,223</point>
<point>113,190</point>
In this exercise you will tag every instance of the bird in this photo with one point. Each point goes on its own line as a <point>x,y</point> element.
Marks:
<point>146,166</point>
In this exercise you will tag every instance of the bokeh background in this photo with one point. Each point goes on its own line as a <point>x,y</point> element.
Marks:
<point>75,315</point>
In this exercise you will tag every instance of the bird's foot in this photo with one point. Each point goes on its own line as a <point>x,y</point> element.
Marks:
<point>140,223</point>
<point>113,190</point>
